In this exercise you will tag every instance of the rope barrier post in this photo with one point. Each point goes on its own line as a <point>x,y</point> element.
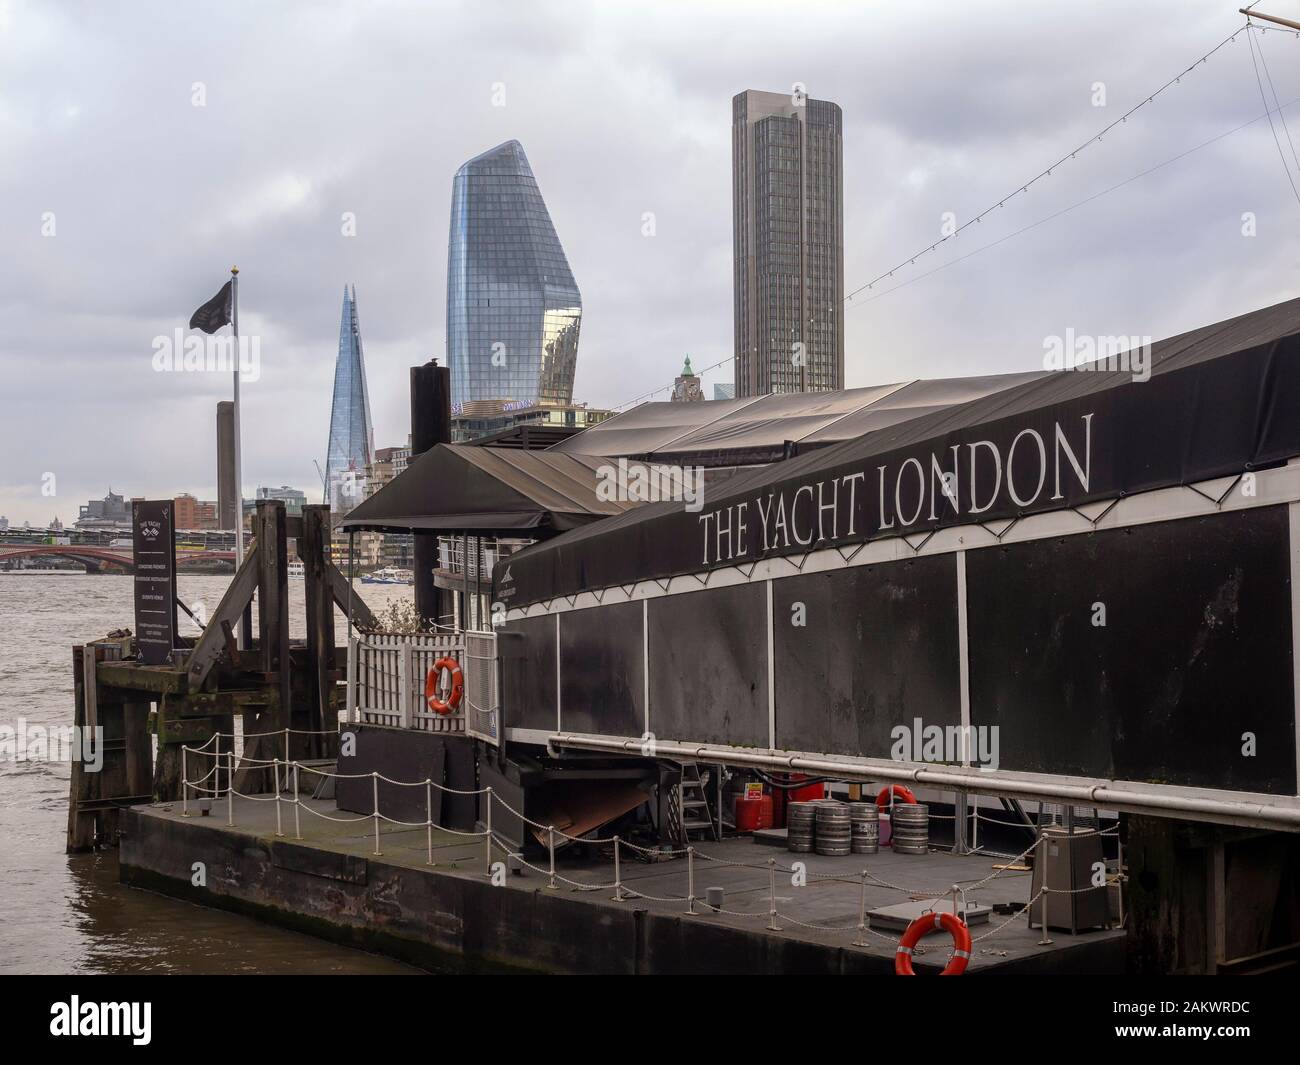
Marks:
<point>550,845</point>
<point>975,828</point>
<point>618,875</point>
<point>1046,941</point>
<point>374,782</point>
<point>275,766</point>
<point>230,786</point>
<point>487,838</point>
<point>772,926</point>
<point>428,818</point>
<point>185,785</point>
<point>297,827</point>
<point>690,880</point>
<point>861,941</point>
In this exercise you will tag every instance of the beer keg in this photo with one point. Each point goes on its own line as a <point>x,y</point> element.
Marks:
<point>910,822</point>
<point>834,829</point>
<point>799,826</point>
<point>865,820</point>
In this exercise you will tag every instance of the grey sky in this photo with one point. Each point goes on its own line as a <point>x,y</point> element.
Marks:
<point>315,109</point>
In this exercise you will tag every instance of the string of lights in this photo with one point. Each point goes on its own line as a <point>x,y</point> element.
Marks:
<point>1024,188</point>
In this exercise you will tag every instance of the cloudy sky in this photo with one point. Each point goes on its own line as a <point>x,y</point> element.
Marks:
<point>123,204</point>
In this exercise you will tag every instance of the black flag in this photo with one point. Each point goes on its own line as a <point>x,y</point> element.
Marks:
<point>216,312</point>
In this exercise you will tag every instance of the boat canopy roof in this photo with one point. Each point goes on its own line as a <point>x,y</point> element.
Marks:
<point>487,491</point>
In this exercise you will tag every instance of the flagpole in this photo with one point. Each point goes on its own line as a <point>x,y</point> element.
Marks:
<point>239,479</point>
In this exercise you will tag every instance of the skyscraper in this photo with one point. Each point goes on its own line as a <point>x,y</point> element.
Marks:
<point>351,443</point>
<point>788,226</point>
<point>513,308</point>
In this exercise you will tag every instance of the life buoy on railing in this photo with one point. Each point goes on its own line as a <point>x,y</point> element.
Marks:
<point>438,706</point>
<point>901,792</point>
<point>924,926</point>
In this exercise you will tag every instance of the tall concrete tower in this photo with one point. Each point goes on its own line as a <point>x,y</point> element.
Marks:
<point>788,229</point>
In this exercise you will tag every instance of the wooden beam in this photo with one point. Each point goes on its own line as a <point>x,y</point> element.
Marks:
<point>213,641</point>
<point>313,549</point>
<point>361,614</point>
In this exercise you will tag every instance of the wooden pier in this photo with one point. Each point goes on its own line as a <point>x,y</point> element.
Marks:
<point>272,683</point>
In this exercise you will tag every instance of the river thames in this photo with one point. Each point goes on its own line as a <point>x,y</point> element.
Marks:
<point>67,913</point>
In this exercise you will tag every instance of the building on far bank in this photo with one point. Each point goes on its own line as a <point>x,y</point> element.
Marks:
<point>113,513</point>
<point>474,421</point>
<point>788,236</point>
<point>724,391</point>
<point>194,513</point>
<point>513,307</point>
<point>687,387</point>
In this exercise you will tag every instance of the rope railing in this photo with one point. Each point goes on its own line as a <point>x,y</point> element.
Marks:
<point>287,778</point>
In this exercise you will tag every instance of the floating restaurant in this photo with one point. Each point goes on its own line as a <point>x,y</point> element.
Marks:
<point>641,709</point>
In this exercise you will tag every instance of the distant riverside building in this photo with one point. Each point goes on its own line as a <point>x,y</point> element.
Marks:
<point>113,511</point>
<point>194,513</point>
<point>351,442</point>
<point>687,387</point>
<point>513,307</point>
<point>544,420</point>
<point>724,391</point>
<point>788,234</point>
<point>292,498</point>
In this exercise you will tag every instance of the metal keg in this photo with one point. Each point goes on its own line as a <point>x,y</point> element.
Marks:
<point>911,826</point>
<point>834,829</point>
<point>865,819</point>
<point>799,819</point>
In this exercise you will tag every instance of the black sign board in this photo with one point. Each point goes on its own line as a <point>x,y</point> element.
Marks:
<point>153,524</point>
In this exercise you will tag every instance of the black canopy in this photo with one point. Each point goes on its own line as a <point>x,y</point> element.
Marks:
<point>1215,402</point>
<point>488,491</point>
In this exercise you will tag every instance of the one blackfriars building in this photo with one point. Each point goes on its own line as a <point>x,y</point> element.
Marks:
<point>788,219</point>
<point>513,308</point>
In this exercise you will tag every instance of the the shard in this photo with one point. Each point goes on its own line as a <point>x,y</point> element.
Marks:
<point>351,444</point>
<point>513,308</point>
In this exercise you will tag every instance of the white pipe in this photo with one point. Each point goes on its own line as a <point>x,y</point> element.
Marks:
<point>1227,811</point>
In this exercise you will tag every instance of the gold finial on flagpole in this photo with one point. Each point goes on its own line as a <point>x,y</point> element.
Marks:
<point>235,270</point>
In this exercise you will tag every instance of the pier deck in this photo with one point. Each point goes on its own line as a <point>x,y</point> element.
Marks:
<point>331,883</point>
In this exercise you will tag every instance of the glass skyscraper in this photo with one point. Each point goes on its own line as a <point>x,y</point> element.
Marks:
<point>352,441</point>
<point>513,308</point>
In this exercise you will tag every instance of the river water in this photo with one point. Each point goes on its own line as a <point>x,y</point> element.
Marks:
<point>67,913</point>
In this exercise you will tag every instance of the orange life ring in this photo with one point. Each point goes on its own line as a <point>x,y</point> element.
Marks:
<point>431,686</point>
<point>924,926</point>
<point>901,792</point>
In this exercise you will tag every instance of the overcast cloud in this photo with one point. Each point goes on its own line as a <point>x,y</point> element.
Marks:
<point>316,109</point>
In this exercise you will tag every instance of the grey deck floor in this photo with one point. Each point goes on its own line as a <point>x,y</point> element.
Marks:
<point>826,910</point>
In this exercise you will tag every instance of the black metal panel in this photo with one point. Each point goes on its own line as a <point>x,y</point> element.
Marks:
<point>1196,650</point>
<point>602,670</point>
<point>526,649</point>
<point>878,648</point>
<point>708,666</point>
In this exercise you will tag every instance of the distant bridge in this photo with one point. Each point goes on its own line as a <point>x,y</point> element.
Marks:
<point>96,558</point>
